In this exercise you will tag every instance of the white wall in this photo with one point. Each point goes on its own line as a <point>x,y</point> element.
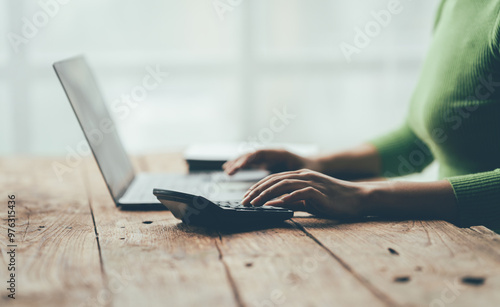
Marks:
<point>226,75</point>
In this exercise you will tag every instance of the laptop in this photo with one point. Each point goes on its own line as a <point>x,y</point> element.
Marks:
<point>134,191</point>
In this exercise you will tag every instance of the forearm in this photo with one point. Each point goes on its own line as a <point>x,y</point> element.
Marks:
<point>400,199</point>
<point>360,162</point>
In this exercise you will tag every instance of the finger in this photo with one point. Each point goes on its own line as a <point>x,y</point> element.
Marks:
<point>262,185</point>
<point>232,167</point>
<point>256,189</point>
<point>253,187</point>
<point>309,195</point>
<point>243,161</point>
<point>278,189</point>
<point>262,181</point>
<point>229,164</point>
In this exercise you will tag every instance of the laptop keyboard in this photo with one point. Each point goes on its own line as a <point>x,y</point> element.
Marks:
<point>144,187</point>
<point>214,186</point>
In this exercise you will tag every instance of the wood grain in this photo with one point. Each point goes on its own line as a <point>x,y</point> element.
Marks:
<point>75,248</point>
<point>154,258</point>
<point>284,267</point>
<point>281,266</point>
<point>417,263</point>
<point>57,256</point>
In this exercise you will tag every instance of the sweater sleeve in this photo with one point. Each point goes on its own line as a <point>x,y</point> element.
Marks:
<point>478,198</point>
<point>402,152</point>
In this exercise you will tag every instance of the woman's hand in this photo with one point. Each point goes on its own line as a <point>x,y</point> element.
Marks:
<point>309,191</point>
<point>271,159</point>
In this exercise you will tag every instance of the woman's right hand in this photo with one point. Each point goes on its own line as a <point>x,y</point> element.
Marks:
<point>275,160</point>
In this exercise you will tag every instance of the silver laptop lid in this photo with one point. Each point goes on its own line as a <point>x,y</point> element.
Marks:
<point>88,104</point>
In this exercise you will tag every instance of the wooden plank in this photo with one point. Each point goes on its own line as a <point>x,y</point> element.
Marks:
<point>57,259</point>
<point>420,263</point>
<point>150,256</point>
<point>154,259</point>
<point>281,266</point>
<point>284,267</point>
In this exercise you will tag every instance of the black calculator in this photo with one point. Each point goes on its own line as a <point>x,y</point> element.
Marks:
<point>197,210</point>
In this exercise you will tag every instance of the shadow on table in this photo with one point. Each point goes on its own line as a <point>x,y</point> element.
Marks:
<point>215,230</point>
<point>300,221</point>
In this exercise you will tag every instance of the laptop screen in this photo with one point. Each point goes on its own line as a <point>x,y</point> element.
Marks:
<point>96,123</point>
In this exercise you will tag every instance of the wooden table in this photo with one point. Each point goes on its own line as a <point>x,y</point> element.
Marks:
<point>74,248</point>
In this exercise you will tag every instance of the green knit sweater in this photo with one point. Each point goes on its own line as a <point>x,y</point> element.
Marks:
<point>454,114</point>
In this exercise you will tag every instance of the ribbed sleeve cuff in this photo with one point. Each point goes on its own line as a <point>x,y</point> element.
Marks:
<point>402,152</point>
<point>478,198</point>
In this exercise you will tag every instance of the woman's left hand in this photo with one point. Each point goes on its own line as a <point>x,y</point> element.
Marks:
<point>309,191</point>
